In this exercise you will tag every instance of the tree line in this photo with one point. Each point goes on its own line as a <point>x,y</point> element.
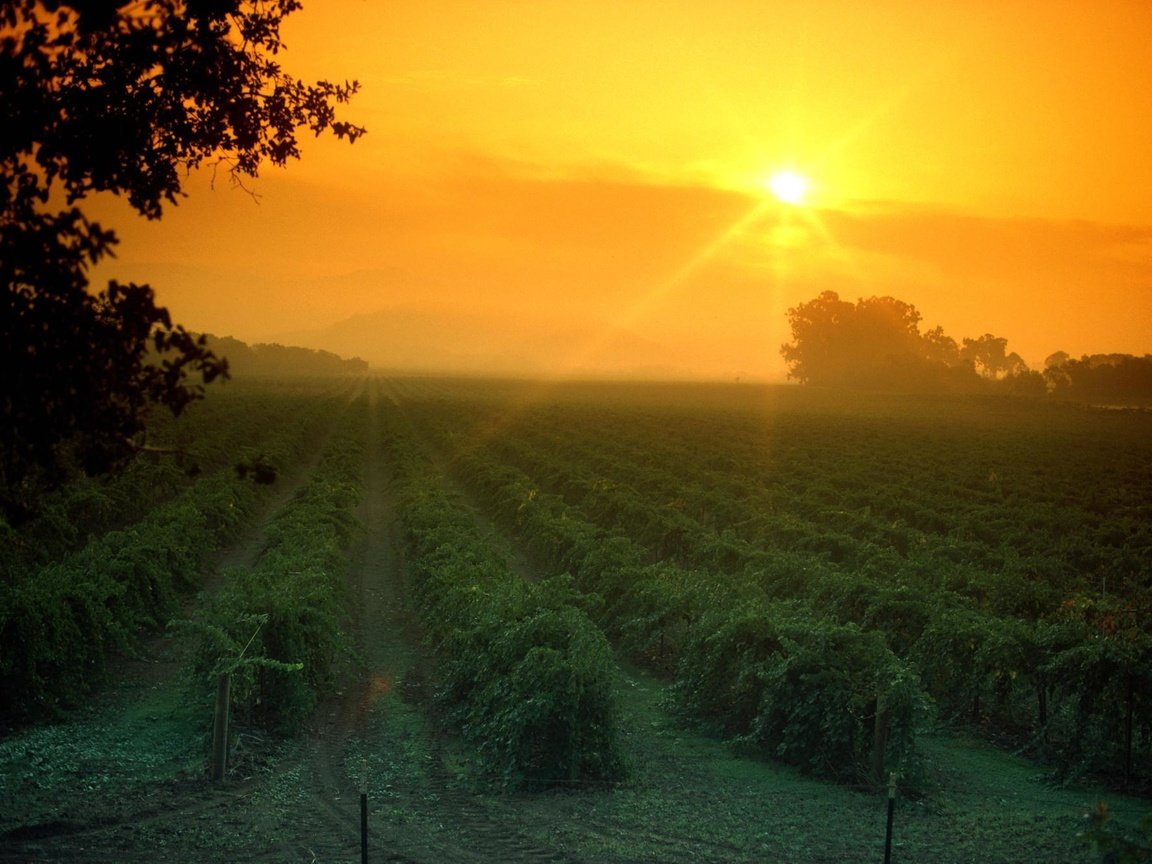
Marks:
<point>272,360</point>
<point>877,343</point>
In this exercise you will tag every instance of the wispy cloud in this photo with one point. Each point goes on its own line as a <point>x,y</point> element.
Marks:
<point>978,247</point>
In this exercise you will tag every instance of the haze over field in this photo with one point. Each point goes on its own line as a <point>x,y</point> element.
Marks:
<point>584,186</point>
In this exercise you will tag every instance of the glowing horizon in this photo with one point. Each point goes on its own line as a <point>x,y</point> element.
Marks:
<point>613,213</point>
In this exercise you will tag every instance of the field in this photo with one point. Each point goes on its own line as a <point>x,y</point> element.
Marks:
<point>587,623</point>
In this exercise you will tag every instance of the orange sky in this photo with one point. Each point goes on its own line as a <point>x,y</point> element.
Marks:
<point>576,185</point>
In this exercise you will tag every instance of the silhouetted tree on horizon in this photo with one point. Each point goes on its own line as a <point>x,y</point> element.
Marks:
<point>989,356</point>
<point>125,99</point>
<point>270,359</point>
<point>876,342</point>
<point>1109,379</point>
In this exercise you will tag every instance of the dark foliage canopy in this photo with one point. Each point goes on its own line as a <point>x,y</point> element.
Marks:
<point>271,360</point>
<point>1108,379</point>
<point>123,98</point>
<point>876,342</point>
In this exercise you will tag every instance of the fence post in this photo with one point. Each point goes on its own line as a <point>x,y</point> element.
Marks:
<point>891,811</point>
<point>220,726</point>
<point>363,811</point>
<point>879,741</point>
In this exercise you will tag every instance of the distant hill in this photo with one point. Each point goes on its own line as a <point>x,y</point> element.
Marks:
<point>442,341</point>
<point>271,360</point>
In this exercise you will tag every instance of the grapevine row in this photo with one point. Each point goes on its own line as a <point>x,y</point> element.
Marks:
<point>277,627</point>
<point>1016,648</point>
<point>775,677</point>
<point>523,673</point>
<point>61,619</point>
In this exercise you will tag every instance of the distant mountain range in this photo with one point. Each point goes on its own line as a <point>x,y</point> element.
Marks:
<point>439,341</point>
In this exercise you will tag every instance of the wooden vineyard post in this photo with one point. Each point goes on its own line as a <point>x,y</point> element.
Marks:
<point>1129,700</point>
<point>224,709</point>
<point>891,812</point>
<point>363,811</point>
<point>879,741</point>
<point>220,726</point>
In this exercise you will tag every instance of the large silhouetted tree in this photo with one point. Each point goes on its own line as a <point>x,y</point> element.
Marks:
<point>989,356</point>
<point>875,342</point>
<point>817,352</point>
<point>941,348</point>
<point>123,98</point>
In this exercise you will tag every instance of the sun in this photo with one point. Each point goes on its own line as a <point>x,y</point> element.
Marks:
<point>788,186</point>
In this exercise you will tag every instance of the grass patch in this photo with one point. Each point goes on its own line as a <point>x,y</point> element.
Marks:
<point>692,799</point>
<point>127,739</point>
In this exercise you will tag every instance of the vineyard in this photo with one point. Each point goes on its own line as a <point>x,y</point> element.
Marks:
<point>587,622</point>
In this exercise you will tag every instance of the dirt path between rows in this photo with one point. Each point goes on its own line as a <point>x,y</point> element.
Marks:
<point>382,637</point>
<point>378,722</point>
